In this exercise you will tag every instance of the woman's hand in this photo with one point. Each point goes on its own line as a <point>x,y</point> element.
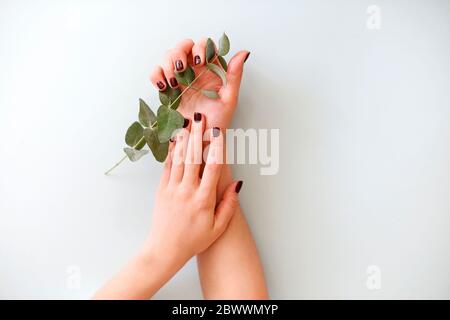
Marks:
<point>186,220</point>
<point>218,112</point>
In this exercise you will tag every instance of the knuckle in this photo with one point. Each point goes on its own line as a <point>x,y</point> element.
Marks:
<point>204,201</point>
<point>183,191</point>
<point>234,202</point>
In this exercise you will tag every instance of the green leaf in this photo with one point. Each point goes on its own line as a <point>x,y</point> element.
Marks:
<point>186,77</point>
<point>146,116</point>
<point>210,50</point>
<point>168,96</point>
<point>133,154</point>
<point>210,93</point>
<point>134,134</point>
<point>224,45</point>
<point>168,121</point>
<point>218,71</point>
<point>159,149</point>
<point>140,145</point>
<point>223,63</point>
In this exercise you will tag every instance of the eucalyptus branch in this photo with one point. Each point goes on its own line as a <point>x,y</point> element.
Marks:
<point>122,159</point>
<point>156,130</point>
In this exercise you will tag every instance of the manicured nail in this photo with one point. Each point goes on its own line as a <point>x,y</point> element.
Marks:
<point>238,186</point>
<point>216,132</point>
<point>171,140</point>
<point>186,123</point>
<point>160,85</point>
<point>173,82</point>
<point>179,65</point>
<point>248,54</point>
<point>197,117</point>
<point>197,60</point>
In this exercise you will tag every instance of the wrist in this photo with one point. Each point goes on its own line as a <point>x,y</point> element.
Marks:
<point>164,260</point>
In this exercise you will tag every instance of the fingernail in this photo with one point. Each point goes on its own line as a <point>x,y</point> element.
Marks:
<point>173,82</point>
<point>186,123</point>
<point>197,60</point>
<point>248,54</point>
<point>179,65</point>
<point>160,85</point>
<point>171,140</point>
<point>238,186</point>
<point>216,132</point>
<point>197,117</point>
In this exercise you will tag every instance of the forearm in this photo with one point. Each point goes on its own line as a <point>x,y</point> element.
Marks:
<point>231,268</point>
<point>141,278</point>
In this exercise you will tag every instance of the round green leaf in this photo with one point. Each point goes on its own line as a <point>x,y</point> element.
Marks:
<point>218,71</point>
<point>210,50</point>
<point>210,93</point>
<point>158,149</point>
<point>134,134</point>
<point>186,77</point>
<point>133,154</point>
<point>146,115</point>
<point>168,121</point>
<point>224,45</point>
<point>168,96</point>
<point>223,62</point>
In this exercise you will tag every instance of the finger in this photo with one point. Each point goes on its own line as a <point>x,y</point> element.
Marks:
<point>179,60</point>
<point>158,79</point>
<point>212,171</point>
<point>180,54</point>
<point>226,208</point>
<point>168,69</point>
<point>199,53</point>
<point>167,166</point>
<point>229,93</point>
<point>194,150</point>
<point>179,156</point>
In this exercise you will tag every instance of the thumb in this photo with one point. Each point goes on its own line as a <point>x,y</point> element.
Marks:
<point>234,75</point>
<point>226,208</point>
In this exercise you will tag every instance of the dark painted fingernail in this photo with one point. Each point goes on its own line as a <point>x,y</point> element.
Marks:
<point>179,65</point>
<point>160,85</point>
<point>197,116</point>
<point>171,140</point>
<point>197,60</point>
<point>173,82</point>
<point>238,186</point>
<point>186,123</point>
<point>248,55</point>
<point>216,132</point>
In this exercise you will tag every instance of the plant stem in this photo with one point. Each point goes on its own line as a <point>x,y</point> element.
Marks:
<point>125,156</point>
<point>116,165</point>
<point>155,123</point>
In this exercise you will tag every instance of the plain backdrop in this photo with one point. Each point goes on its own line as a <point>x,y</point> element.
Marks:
<point>363,189</point>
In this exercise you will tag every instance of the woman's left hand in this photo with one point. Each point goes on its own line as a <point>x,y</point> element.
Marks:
<point>186,219</point>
